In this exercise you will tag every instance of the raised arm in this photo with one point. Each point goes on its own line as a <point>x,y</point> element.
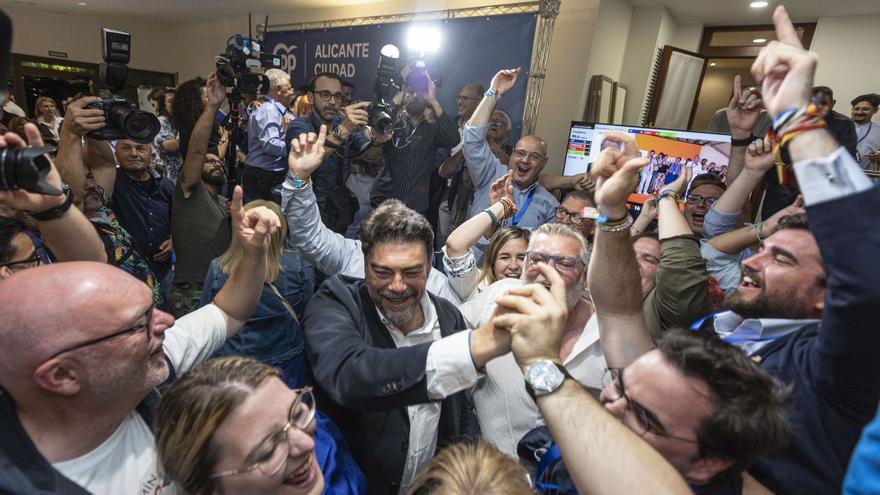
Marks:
<point>591,440</point>
<point>742,115</point>
<point>191,170</point>
<point>78,122</point>
<point>239,296</point>
<point>758,160</point>
<point>70,236</point>
<point>467,234</point>
<point>501,83</point>
<point>614,280</point>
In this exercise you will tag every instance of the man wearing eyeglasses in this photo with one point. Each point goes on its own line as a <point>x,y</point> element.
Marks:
<point>77,385</point>
<point>536,205</point>
<point>345,142</point>
<point>266,164</point>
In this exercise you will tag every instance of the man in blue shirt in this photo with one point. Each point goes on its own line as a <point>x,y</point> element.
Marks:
<point>345,140</point>
<point>266,162</point>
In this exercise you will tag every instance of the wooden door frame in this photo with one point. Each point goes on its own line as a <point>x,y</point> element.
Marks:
<point>91,72</point>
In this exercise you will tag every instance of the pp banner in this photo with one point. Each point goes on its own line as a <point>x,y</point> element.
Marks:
<point>471,50</point>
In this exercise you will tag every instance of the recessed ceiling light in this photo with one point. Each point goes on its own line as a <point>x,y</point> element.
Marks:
<point>758,5</point>
<point>712,64</point>
<point>759,40</point>
<point>81,4</point>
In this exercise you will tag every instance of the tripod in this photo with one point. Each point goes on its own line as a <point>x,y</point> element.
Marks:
<point>235,123</point>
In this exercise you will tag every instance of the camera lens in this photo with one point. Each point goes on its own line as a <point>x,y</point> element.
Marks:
<point>140,126</point>
<point>26,168</point>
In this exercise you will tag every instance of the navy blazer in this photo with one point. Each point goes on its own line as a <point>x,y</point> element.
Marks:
<point>364,382</point>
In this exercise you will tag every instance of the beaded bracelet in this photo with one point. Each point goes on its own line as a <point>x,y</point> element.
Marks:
<point>620,227</point>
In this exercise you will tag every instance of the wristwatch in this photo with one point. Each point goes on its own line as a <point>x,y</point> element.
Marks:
<point>544,377</point>
<point>58,211</point>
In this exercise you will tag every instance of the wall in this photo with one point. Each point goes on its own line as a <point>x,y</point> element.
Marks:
<point>715,93</point>
<point>649,26</point>
<point>565,88</point>
<point>847,57</point>
<point>610,39</point>
<point>35,32</point>
<point>687,37</point>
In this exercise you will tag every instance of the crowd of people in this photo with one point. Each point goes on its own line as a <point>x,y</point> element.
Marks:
<point>420,309</point>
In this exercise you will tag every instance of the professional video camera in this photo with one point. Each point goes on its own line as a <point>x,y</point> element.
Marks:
<point>388,83</point>
<point>240,66</point>
<point>123,118</point>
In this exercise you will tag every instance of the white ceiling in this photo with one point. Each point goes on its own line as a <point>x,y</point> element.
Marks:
<point>709,12</point>
<point>736,12</point>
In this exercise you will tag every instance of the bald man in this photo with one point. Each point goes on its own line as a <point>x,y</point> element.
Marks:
<point>84,348</point>
<point>536,205</point>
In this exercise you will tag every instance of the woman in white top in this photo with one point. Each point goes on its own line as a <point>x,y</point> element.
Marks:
<point>48,119</point>
<point>504,255</point>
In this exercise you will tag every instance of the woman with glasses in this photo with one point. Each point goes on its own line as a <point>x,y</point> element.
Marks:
<point>504,255</point>
<point>230,425</point>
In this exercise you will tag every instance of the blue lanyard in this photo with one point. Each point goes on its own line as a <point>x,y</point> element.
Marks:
<point>524,207</point>
<point>870,125</point>
<point>695,326</point>
<point>547,459</point>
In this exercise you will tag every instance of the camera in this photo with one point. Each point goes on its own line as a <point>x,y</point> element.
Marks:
<point>122,117</point>
<point>124,121</point>
<point>240,66</point>
<point>388,83</point>
<point>26,168</point>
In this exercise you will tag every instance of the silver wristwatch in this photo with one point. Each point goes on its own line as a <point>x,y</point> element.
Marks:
<point>544,377</point>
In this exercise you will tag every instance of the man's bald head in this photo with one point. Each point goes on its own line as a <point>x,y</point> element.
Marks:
<point>51,307</point>
<point>528,160</point>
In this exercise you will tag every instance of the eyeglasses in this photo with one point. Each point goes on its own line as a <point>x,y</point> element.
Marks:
<point>498,123</point>
<point>143,324</point>
<point>270,455</point>
<point>326,96</point>
<point>696,199</point>
<point>562,263</point>
<point>561,213</point>
<point>32,261</point>
<point>644,420</point>
<point>534,157</point>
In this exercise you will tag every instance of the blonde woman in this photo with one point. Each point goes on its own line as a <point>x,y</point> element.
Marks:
<point>472,469</point>
<point>47,119</point>
<point>230,425</point>
<point>273,334</point>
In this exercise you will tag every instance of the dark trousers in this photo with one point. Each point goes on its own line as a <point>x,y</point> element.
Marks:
<point>259,184</point>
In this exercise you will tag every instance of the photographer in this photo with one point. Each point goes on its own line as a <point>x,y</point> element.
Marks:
<point>408,153</point>
<point>345,141</point>
<point>266,160</point>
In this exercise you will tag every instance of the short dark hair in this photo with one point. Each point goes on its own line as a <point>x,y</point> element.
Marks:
<point>873,99</point>
<point>328,75</point>
<point>9,228</point>
<point>582,195</point>
<point>347,84</point>
<point>797,221</point>
<point>393,222</point>
<point>750,417</point>
<point>824,89</point>
<point>707,179</point>
<point>651,234</point>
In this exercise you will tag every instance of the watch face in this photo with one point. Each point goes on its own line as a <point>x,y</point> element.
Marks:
<point>544,376</point>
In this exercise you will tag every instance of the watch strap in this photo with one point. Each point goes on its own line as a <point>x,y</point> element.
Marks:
<point>742,142</point>
<point>58,211</point>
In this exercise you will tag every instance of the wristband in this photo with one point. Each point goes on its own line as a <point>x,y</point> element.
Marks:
<point>488,211</point>
<point>665,194</point>
<point>299,184</point>
<point>492,92</point>
<point>611,222</point>
<point>742,142</point>
<point>58,211</point>
<point>620,227</point>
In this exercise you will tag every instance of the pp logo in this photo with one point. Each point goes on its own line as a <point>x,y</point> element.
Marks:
<point>288,58</point>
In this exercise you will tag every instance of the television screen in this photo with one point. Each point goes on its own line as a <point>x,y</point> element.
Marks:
<point>670,151</point>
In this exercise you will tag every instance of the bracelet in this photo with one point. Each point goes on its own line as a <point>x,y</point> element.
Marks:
<point>627,223</point>
<point>509,206</point>
<point>666,194</point>
<point>58,211</point>
<point>604,220</point>
<point>759,231</point>
<point>744,141</point>
<point>299,184</point>
<point>488,211</point>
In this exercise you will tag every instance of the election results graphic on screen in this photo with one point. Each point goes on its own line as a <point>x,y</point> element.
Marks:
<point>669,151</point>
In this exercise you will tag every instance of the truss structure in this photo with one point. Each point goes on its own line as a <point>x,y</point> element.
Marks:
<point>546,10</point>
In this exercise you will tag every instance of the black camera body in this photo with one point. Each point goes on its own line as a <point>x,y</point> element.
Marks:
<point>388,83</point>
<point>124,121</point>
<point>240,66</point>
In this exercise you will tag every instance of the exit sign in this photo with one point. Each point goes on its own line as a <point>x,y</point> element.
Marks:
<point>53,53</point>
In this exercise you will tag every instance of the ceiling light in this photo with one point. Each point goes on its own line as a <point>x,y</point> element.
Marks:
<point>758,5</point>
<point>759,40</point>
<point>81,4</point>
<point>712,64</point>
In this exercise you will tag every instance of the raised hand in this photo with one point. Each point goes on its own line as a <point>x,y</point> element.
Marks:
<point>354,116</point>
<point>796,208</point>
<point>306,153</point>
<point>784,69</point>
<point>680,183</point>
<point>24,200</point>
<point>535,317</point>
<point>616,174</point>
<point>503,187</point>
<point>759,157</point>
<point>743,110</point>
<point>215,92</point>
<point>504,80</point>
<point>79,121</point>
<point>254,226</point>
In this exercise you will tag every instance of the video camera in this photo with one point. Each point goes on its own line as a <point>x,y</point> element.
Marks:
<point>123,118</point>
<point>388,83</point>
<point>241,65</point>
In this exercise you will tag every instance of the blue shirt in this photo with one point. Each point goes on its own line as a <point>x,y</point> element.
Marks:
<point>266,147</point>
<point>335,169</point>
<point>144,210</point>
<point>271,335</point>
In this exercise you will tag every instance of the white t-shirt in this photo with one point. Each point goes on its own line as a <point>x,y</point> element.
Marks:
<point>126,462</point>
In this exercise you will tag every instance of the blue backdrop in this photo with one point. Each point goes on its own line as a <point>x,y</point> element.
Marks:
<point>472,50</point>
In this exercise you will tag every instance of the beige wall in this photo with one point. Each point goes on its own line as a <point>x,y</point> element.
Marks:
<point>154,45</point>
<point>715,93</point>
<point>848,63</point>
<point>610,38</point>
